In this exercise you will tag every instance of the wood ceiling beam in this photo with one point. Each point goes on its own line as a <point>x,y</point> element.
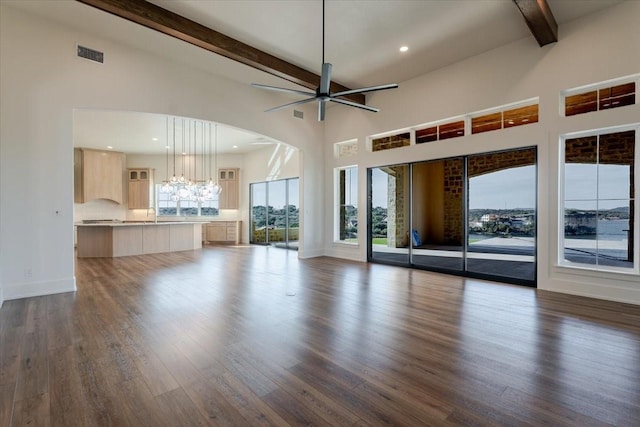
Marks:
<point>539,19</point>
<point>169,23</point>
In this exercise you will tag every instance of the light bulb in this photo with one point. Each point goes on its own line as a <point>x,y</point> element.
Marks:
<point>217,189</point>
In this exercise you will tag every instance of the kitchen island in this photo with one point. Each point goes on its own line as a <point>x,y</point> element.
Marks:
<point>116,239</point>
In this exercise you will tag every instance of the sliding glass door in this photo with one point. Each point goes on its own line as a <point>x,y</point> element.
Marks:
<point>502,215</point>
<point>389,214</point>
<point>437,214</point>
<point>472,215</point>
<point>275,213</point>
<point>258,220</point>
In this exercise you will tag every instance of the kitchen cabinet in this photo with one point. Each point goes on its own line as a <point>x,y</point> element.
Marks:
<point>228,180</point>
<point>140,182</point>
<point>222,232</point>
<point>97,175</point>
<point>124,239</point>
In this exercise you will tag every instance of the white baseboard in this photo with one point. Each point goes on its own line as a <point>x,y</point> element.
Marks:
<point>35,289</point>
<point>310,253</point>
<point>598,291</point>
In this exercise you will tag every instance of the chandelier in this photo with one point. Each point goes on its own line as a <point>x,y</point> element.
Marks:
<point>195,188</point>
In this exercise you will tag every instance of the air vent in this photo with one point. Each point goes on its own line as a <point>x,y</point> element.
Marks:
<point>90,54</point>
<point>298,114</point>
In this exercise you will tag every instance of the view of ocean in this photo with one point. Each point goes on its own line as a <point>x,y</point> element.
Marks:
<point>613,229</point>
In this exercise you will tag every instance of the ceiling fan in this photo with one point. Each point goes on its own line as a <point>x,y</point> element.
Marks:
<point>323,92</point>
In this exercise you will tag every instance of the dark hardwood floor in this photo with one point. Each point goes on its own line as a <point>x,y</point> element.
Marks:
<point>215,337</point>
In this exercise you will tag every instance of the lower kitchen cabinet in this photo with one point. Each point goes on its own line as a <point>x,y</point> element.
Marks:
<point>222,232</point>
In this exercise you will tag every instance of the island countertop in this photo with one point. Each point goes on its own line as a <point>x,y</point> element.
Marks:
<point>114,239</point>
<point>132,223</point>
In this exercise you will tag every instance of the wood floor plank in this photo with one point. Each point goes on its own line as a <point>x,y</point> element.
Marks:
<point>214,337</point>
<point>33,372</point>
<point>6,404</point>
<point>331,411</point>
<point>177,409</point>
<point>212,404</point>
<point>32,411</point>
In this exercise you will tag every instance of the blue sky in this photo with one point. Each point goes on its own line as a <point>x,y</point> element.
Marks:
<point>515,188</point>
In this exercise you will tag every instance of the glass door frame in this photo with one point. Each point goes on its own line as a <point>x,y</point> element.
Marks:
<point>465,215</point>
<point>267,242</point>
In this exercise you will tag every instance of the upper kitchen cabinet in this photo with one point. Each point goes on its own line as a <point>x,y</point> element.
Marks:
<point>140,183</point>
<point>228,180</point>
<point>97,175</point>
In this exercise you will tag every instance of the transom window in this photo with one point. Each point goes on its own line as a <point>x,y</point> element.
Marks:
<point>601,96</point>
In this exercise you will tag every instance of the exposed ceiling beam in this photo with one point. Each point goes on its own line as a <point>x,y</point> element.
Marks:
<point>540,20</point>
<point>162,20</point>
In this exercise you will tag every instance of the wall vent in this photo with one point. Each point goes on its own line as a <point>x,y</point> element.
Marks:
<point>298,114</point>
<point>90,54</point>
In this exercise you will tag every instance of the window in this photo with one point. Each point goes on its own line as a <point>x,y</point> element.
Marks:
<point>601,96</point>
<point>505,117</point>
<point>429,134</point>
<point>274,213</point>
<point>346,148</point>
<point>440,132</point>
<point>451,130</point>
<point>392,141</point>
<point>599,201</point>
<point>170,203</point>
<point>347,215</point>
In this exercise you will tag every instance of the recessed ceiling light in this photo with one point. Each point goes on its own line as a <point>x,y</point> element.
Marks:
<point>235,146</point>
<point>154,139</point>
<point>109,147</point>
<point>404,48</point>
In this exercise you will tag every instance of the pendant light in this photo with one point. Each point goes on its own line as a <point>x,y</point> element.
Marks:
<point>174,178</point>
<point>166,186</point>
<point>216,189</point>
<point>181,180</point>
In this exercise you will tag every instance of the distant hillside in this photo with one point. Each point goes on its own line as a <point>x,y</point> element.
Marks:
<point>624,209</point>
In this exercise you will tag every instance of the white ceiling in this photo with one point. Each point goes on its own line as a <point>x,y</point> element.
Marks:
<point>362,37</point>
<point>146,133</point>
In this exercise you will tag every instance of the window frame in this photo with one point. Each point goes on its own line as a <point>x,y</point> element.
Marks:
<point>596,87</point>
<point>597,268</point>
<point>179,214</point>
<point>338,191</point>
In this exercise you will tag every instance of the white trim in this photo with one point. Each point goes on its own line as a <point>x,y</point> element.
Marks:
<point>633,78</point>
<point>510,106</point>
<point>336,202</point>
<point>337,145</point>
<point>596,270</point>
<point>34,289</point>
<point>603,84</point>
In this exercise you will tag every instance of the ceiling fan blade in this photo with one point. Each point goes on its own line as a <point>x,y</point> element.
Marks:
<point>291,104</point>
<point>354,104</point>
<point>282,89</point>
<point>366,89</point>
<point>322,108</point>
<point>325,78</point>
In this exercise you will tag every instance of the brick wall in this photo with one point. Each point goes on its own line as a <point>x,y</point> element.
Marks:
<point>493,162</point>
<point>453,191</point>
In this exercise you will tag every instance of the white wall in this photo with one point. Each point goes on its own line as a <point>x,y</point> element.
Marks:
<point>269,164</point>
<point>42,82</point>
<point>598,47</point>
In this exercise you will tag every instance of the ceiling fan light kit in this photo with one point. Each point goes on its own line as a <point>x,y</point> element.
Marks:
<point>323,92</point>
